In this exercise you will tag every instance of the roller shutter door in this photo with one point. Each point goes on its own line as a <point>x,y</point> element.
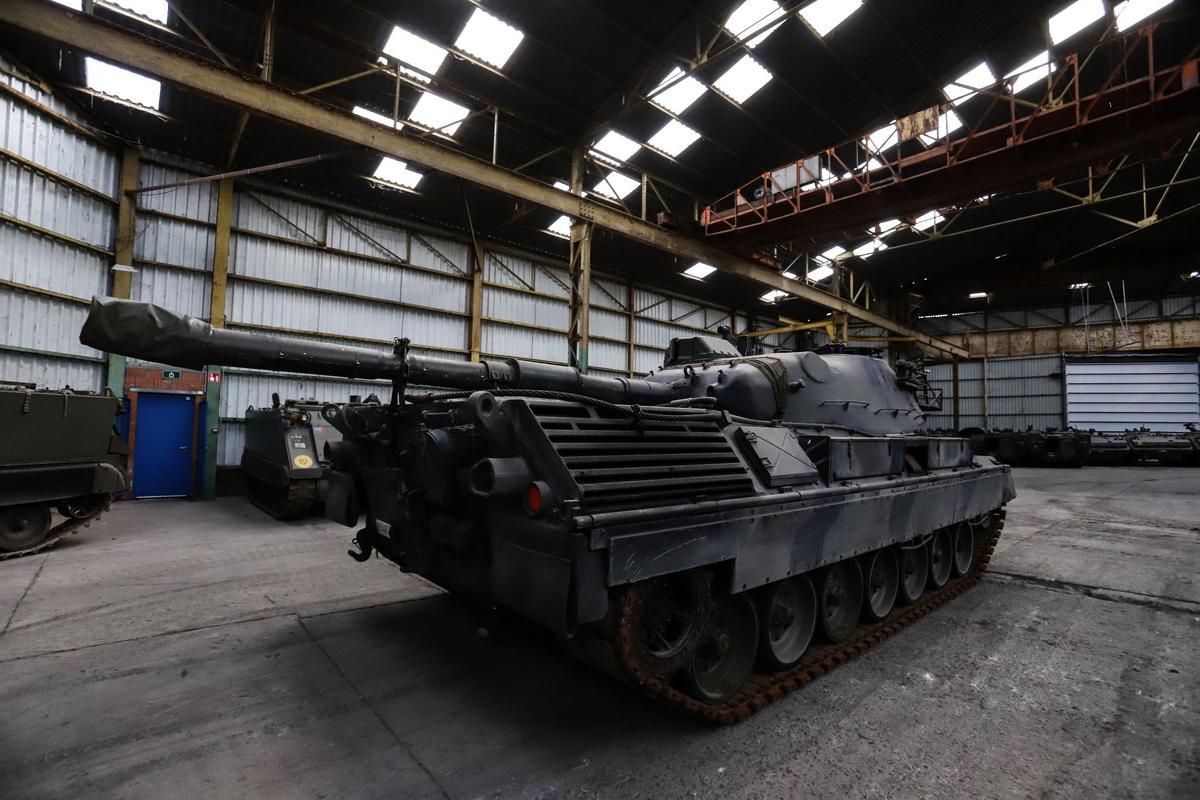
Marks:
<point>1116,395</point>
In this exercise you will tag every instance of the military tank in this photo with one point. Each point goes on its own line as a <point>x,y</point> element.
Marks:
<point>716,534</point>
<point>61,454</point>
<point>284,461</point>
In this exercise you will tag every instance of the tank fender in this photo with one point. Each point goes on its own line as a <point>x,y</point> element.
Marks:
<point>107,478</point>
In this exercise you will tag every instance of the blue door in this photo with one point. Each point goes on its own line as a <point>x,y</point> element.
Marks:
<point>162,451</point>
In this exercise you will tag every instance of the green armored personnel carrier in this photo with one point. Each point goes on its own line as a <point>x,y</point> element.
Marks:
<point>285,460</point>
<point>60,453</point>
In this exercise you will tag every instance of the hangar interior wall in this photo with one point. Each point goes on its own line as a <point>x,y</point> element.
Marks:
<point>297,265</point>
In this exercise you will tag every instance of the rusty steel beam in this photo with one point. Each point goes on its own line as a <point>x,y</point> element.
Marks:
<point>263,99</point>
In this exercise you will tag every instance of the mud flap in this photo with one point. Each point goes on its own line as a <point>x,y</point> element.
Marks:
<point>342,503</point>
<point>536,585</point>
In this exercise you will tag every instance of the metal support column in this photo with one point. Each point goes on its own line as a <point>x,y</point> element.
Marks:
<point>216,315</point>
<point>581,276</point>
<point>122,277</point>
<point>630,332</point>
<point>476,331</point>
<point>955,389</point>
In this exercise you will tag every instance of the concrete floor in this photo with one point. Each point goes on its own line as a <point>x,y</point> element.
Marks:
<point>201,650</point>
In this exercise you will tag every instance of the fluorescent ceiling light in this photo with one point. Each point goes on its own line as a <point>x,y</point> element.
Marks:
<point>825,15</point>
<point>109,79</point>
<point>438,113</point>
<point>947,124</point>
<point>614,185</point>
<point>1131,12</point>
<point>964,86</point>
<point>788,274</point>
<point>834,252</point>
<point>742,80</point>
<point>560,227</point>
<point>754,15</point>
<point>820,273</point>
<point>884,137</point>
<point>773,295</point>
<point>699,270</point>
<point>1079,286</point>
<point>673,138</point>
<point>977,295</point>
<point>870,248</point>
<point>397,173</point>
<point>681,94</point>
<point>562,185</point>
<point>1035,69</point>
<point>74,5</point>
<point>411,49</point>
<point>488,38</point>
<point>150,9</point>
<point>1194,274</point>
<point>615,146</point>
<point>927,220</point>
<point>1074,18</point>
<point>375,116</point>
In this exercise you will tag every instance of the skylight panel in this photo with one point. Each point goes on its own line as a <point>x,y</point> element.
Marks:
<point>927,220</point>
<point>754,15</point>
<point>488,38</point>
<point>820,273</point>
<point>773,296</point>
<point>1074,18</point>
<point>438,113</point>
<point>397,173</point>
<point>742,80</point>
<point>680,94</point>
<point>74,5</point>
<point>947,124</point>
<point>415,51</point>
<point>673,138</point>
<point>1080,286</point>
<point>1032,71</point>
<point>833,252</point>
<point>965,86</point>
<point>870,248</point>
<point>699,270</point>
<point>560,227</point>
<point>155,10</point>
<point>113,81</point>
<point>1131,12</point>
<point>883,138</point>
<point>375,116</point>
<point>825,15</point>
<point>615,186</point>
<point>615,146</point>
<point>562,185</point>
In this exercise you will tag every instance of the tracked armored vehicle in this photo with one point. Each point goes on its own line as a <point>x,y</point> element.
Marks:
<point>715,534</point>
<point>284,460</point>
<point>59,453</point>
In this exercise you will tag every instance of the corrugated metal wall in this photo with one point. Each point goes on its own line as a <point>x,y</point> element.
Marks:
<point>1110,394</point>
<point>1020,393</point>
<point>57,220</point>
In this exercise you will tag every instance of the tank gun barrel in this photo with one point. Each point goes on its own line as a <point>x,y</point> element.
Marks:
<point>146,331</point>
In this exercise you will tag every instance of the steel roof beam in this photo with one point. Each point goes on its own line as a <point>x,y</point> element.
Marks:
<point>223,85</point>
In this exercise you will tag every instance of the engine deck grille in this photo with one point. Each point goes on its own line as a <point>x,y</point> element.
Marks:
<point>622,462</point>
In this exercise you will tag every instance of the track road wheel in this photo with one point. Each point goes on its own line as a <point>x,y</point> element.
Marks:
<point>725,655</point>
<point>881,582</point>
<point>914,569</point>
<point>787,614</point>
<point>667,619</point>
<point>941,557</point>
<point>840,592</point>
<point>84,507</point>
<point>964,549</point>
<point>23,526</point>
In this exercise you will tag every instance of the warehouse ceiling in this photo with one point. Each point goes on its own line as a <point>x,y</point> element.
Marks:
<point>699,96</point>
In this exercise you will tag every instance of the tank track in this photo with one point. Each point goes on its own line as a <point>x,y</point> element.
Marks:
<point>284,504</point>
<point>763,689</point>
<point>59,532</point>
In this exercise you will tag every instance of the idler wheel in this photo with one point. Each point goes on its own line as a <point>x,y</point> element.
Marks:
<point>941,558</point>
<point>725,654</point>
<point>914,569</point>
<point>82,507</point>
<point>964,549</point>
<point>23,526</point>
<point>787,618</point>
<point>881,582</point>
<point>666,620</point>
<point>840,592</point>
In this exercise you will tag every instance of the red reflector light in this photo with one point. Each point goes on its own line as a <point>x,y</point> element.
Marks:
<point>533,499</point>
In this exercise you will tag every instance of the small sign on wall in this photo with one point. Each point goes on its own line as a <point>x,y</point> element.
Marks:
<point>214,377</point>
<point>171,374</point>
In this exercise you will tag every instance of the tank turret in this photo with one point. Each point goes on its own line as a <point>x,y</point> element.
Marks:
<point>690,532</point>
